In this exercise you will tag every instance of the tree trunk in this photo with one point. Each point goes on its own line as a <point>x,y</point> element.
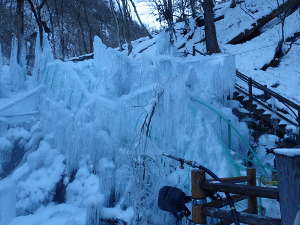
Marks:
<point>193,8</point>
<point>212,45</point>
<point>37,16</point>
<point>286,8</point>
<point>91,49</point>
<point>139,19</point>
<point>117,24</point>
<point>233,4</point>
<point>20,29</point>
<point>127,32</point>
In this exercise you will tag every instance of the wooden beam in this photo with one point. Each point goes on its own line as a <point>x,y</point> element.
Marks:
<point>264,192</point>
<point>232,179</point>
<point>252,200</point>
<point>198,177</point>
<point>224,202</point>
<point>243,217</point>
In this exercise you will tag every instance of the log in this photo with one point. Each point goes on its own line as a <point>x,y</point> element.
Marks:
<point>264,192</point>
<point>243,217</point>
<point>82,58</point>
<point>288,8</point>
<point>200,21</point>
<point>289,186</point>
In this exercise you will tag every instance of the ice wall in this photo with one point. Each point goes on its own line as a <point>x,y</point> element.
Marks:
<point>127,111</point>
<point>7,202</point>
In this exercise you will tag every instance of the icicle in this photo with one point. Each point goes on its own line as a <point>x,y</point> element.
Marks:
<point>42,56</point>
<point>7,202</point>
<point>17,74</point>
<point>93,215</point>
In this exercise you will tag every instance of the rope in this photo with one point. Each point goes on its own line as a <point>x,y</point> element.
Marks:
<point>255,159</point>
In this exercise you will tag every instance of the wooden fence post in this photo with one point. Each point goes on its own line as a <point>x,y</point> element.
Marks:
<point>199,197</point>
<point>298,121</point>
<point>288,168</point>
<point>229,134</point>
<point>251,180</point>
<point>250,91</point>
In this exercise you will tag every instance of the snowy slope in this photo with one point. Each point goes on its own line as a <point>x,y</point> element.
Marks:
<point>253,54</point>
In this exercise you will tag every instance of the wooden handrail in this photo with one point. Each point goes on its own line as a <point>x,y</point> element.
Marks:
<point>264,192</point>
<point>246,79</point>
<point>222,203</point>
<point>239,88</point>
<point>232,179</point>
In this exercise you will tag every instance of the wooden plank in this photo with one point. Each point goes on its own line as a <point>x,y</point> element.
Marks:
<point>198,216</point>
<point>198,177</point>
<point>232,179</point>
<point>243,217</point>
<point>222,203</point>
<point>252,200</point>
<point>264,192</point>
<point>289,186</point>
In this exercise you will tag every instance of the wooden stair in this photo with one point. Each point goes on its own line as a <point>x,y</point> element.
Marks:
<point>261,117</point>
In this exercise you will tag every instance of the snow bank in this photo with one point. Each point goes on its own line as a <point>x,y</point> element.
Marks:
<point>63,214</point>
<point>36,179</point>
<point>290,152</point>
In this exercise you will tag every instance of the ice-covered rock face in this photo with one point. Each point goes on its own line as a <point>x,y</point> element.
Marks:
<point>130,110</point>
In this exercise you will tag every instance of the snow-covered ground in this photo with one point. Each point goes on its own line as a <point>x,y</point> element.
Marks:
<point>253,54</point>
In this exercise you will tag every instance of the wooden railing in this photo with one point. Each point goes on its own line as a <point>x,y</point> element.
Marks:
<point>292,106</point>
<point>201,188</point>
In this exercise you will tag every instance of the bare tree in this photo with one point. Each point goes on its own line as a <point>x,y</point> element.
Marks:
<point>42,25</point>
<point>20,29</point>
<point>139,19</point>
<point>232,4</point>
<point>117,24</point>
<point>193,7</point>
<point>212,45</point>
<point>126,24</point>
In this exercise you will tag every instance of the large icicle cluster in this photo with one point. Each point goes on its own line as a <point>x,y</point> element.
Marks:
<point>113,116</point>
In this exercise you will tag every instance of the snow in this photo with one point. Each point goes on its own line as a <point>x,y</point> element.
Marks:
<point>63,214</point>
<point>85,189</point>
<point>290,152</point>
<point>37,177</point>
